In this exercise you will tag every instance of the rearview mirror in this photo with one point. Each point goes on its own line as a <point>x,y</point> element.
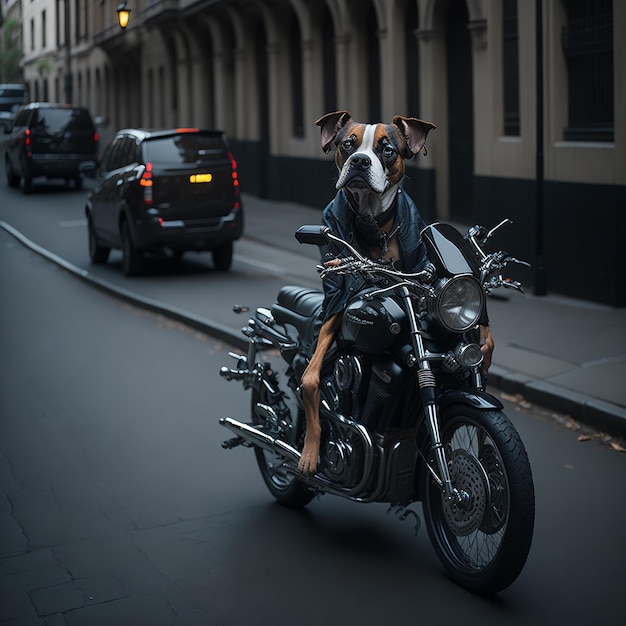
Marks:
<point>313,234</point>
<point>88,169</point>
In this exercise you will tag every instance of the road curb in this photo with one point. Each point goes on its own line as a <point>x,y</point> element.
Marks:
<point>589,410</point>
<point>186,317</point>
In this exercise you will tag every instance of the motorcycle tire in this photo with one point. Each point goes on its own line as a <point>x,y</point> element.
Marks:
<point>483,541</point>
<point>282,484</point>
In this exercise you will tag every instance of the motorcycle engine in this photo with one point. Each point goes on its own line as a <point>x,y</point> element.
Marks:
<point>342,454</point>
<point>342,445</point>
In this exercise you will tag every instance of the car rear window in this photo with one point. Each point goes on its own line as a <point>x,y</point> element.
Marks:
<point>56,121</point>
<point>185,149</point>
<point>11,93</point>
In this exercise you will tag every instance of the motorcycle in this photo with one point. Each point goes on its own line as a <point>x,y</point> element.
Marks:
<point>405,416</point>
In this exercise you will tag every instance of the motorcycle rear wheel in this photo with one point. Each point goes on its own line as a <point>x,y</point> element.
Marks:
<point>484,542</point>
<point>282,484</point>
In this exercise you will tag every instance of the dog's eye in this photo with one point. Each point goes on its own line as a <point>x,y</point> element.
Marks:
<point>388,152</point>
<point>348,145</point>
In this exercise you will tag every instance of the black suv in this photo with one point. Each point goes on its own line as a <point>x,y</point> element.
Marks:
<point>12,97</point>
<point>175,189</point>
<point>52,140</point>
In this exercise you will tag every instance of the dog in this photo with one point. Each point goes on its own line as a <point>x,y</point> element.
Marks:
<point>371,163</point>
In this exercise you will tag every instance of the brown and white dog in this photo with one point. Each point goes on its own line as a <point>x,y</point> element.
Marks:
<point>370,159</point>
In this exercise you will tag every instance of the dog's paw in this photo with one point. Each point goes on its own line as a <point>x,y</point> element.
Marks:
<point>308,461</point>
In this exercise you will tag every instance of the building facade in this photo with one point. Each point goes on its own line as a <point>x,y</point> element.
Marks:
<point>265,70</point>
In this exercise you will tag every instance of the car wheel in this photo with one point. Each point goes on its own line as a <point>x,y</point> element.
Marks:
<point>132,259</point>
<point>223,256</point>
<point>27,183</point>
<point>97,253</point>
<point>13,180</point>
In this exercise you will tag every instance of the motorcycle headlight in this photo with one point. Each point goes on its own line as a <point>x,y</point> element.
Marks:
<point>459,303</point>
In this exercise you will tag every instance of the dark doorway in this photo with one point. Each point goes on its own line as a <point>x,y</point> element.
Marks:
<point>460,112</point>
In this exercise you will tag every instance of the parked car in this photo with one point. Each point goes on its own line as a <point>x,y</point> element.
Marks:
<point>51,140</point>
<point>12,96</point>
<point>175,189</point>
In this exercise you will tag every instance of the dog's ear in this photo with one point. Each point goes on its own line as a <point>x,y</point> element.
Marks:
<point>330,125</point>
<point>414,132</point>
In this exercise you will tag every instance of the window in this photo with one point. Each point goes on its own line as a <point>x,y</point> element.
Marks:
<point>77,20</point>
<point>32,34</point>
<point>43,28</point>
<point>185,149</point>
<point>588,48</point>
<point>510,68</point>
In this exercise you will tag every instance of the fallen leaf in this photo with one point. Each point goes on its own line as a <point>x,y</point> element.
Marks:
<point>584,437</point>
<point>510,398</point>
<point>617,447</point>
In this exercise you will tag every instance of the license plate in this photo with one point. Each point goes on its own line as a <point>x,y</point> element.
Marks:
<point>200,178</point>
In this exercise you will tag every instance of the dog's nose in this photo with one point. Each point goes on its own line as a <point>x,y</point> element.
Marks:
<point>361,161</point>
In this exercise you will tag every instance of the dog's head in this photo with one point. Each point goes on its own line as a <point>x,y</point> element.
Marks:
<point>370,157</point>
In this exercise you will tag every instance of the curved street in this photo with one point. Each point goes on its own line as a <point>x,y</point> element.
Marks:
<point>118,505</point>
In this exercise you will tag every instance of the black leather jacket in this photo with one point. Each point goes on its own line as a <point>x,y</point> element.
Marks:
<point>339,217</point>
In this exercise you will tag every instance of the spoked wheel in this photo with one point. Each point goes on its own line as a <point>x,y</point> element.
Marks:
<point>483,536</point>
<point>281,482</point>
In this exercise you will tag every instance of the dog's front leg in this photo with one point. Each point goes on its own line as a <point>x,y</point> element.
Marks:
<point>311,396</point>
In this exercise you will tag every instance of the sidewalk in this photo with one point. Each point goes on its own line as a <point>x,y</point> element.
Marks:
<point>564,354</point>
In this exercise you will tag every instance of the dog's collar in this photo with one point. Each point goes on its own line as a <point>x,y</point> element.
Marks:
<point>369,227</point>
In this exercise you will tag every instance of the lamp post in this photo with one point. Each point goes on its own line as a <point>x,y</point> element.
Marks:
<point>123,14</point>
<point>540,269</point>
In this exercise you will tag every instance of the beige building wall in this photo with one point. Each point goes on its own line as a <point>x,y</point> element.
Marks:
<point>185,63</point>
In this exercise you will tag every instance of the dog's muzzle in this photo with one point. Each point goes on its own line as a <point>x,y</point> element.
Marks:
<point>359,172</point>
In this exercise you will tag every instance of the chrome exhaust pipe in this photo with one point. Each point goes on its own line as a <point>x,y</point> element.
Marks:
<point>257,437</point>
<point>252,435</point>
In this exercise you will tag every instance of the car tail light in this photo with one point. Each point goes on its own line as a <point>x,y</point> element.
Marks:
<point>234,174</point>
<point>146,182</point>
<point>27,142</point>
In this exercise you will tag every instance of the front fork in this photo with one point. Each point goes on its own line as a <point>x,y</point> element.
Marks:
<point>426,381</point>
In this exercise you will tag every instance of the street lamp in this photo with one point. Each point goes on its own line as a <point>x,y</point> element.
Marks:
<point>123,14</point>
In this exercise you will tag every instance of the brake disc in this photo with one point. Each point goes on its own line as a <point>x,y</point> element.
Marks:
<point>469,478</point>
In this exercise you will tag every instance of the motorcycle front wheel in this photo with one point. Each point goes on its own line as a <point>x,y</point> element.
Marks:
<point>282,483</point>
<point>482,537</point>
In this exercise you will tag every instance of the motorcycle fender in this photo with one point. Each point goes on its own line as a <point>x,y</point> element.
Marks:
<point>474,398</point>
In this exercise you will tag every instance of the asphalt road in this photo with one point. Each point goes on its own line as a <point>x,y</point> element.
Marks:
<point>118,506</point>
